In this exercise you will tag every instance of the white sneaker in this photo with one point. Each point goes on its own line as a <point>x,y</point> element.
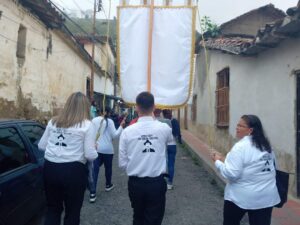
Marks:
<point>170,186</point>
<point>93,198</point>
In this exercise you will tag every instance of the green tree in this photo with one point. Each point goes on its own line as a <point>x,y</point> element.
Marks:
<point>208,27</point>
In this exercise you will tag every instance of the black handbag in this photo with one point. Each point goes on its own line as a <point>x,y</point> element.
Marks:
<point>282,183</point>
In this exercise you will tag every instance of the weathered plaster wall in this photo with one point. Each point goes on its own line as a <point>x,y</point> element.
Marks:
<point>262,85</point>
<point>40,87</point>
<point>100,55</point>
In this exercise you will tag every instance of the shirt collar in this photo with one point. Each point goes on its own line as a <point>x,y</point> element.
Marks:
<point>145,119</point>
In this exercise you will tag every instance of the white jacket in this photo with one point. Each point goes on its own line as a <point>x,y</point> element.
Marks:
<point>142,148</point>
<point>107,133</point>
<point>251,176</point>
<point>71,144</point>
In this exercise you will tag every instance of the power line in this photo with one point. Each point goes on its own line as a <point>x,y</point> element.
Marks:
<point>34,30</point>
<point>9,39</point>
<point>78,26</point>
<point>78,7</point>
<point>64,6</point>
<point>28,46</point>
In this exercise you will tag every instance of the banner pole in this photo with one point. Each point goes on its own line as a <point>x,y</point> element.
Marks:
<point>150,46</point>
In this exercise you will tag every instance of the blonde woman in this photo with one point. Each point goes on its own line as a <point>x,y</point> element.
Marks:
<point>68,142</point>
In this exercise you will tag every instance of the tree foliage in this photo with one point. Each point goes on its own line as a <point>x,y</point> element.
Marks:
<point>208,27</point>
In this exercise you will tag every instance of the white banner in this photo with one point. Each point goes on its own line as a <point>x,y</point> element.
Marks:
<point>172,53</point>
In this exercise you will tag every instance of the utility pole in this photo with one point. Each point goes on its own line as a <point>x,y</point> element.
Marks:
<point>93,53</point>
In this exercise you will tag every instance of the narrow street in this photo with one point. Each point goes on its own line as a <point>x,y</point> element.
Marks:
<point>195,199</point>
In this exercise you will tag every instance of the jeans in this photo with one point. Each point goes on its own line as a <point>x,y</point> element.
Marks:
<point>171,151</point>
<point>105,159</point>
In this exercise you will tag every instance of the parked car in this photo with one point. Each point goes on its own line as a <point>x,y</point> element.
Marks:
<point>21,164</point>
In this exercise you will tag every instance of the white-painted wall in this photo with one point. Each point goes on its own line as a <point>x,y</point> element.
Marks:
<point>46,81</point>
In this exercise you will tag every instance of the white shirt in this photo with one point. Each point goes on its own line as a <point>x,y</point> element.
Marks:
<point>107,133</point>
<point>142,150</point>
<point>69,144</point>
<point>251,176</point>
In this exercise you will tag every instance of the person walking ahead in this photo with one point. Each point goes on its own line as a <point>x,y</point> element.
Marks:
<point>249,169</point>
<point>142,153</point>
<point>106,132</point>
<point>68,142</point>
<point>172,148</point>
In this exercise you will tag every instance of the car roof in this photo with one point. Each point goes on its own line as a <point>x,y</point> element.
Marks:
<point>14,121</point>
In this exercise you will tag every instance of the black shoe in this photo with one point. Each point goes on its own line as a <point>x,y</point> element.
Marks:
<point>109,187</point>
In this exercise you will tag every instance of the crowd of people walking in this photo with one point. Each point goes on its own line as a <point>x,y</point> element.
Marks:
<point>78,141</point>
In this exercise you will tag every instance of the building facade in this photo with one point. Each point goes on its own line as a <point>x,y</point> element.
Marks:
<point>41,63</point>
<point>238,75</point>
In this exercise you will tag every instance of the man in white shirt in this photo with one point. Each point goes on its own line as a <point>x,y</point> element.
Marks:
<point>142,154</point>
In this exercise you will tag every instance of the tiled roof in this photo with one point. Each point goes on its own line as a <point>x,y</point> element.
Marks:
<point>267,37</point>
<point>232,45</point>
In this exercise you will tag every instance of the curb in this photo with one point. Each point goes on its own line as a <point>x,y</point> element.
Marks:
<point>220,182</point>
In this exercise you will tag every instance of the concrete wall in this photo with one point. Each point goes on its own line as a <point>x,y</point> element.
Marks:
<point>39,87</point>
<point>262,85</point>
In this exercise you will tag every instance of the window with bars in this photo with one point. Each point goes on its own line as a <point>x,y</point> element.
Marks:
<point>222,98</point>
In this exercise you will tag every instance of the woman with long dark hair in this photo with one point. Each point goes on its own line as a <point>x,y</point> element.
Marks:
<point>68,142</point>
<point>250,172</point>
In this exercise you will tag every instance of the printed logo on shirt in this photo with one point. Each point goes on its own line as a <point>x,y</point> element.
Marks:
<point>147,139</point>
<point>268,162</point>
<point>61,137</point>
<point>148,147</point>
<point>60,141</point>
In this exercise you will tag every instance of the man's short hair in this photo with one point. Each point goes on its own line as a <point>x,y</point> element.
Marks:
<point>145,101</point>
<point>157,112</point>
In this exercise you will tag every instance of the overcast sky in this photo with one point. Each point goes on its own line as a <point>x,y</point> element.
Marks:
<point>219,11</point>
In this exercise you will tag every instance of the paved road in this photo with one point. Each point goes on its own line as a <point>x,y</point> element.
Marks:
<point>195,200</point>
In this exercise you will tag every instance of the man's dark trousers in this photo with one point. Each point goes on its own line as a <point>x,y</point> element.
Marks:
<point>148,199</point>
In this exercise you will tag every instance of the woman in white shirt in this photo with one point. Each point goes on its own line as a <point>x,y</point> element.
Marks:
<point>68,142</point>
<point>106,132</point>
<point>250,172</point>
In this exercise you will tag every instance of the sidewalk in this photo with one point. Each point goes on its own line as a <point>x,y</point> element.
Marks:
<point>288,215</point>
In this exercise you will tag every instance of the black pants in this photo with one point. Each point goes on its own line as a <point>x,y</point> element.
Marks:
<point>65,184</point>
<point>233,215</point>
<point>148,199</point>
